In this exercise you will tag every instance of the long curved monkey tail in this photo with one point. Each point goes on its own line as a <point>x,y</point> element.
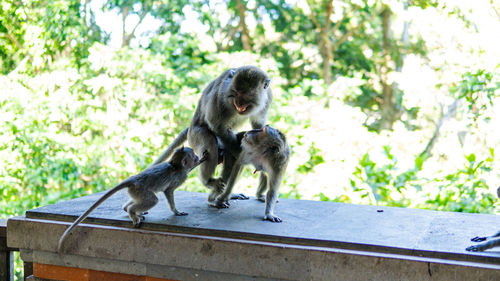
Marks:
<point>171,148</point>
<point>108,194</point>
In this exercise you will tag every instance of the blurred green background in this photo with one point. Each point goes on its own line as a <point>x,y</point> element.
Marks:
<point>384,102</point>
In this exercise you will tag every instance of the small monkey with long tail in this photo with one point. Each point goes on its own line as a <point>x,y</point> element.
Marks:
<point>164,177</point>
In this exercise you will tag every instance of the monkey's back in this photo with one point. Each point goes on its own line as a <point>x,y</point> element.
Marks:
<point>160,177</point>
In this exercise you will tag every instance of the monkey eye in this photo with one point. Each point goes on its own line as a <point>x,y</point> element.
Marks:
<point>274,149</point>
<point>266,83</point>
<point>231,73</point>
<point>232,94</point>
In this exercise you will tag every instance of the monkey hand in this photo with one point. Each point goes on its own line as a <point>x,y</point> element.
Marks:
<point>478,239</point>
<point>272,218</point>
<point>204,156</point>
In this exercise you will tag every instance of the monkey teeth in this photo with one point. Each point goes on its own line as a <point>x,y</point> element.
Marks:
<point>240,109</point>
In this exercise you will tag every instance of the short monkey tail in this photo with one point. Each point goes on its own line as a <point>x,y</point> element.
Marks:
<point>171,148</point>
<point>108,194</point>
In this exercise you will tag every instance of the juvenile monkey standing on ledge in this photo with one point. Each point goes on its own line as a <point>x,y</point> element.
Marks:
<point>164,177</point>
<point>237,95</point>
<point>268,151</point>
<point>491,241</point>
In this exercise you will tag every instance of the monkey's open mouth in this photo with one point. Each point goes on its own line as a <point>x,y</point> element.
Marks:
<point>240,109</point>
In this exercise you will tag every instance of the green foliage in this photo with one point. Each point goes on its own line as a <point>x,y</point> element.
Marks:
<point>11,16</point>
<point>315,158</point>
<point>385,185</point>
<point>78,116</point>
<point>185,56</point>
<point>35,33</point>
<point>465,190</point>
<point>478,89</point>
<point>80,134</point>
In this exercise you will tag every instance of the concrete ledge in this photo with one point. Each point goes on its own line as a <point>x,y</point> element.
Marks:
<point>316,241</point>
<point>189,257</point>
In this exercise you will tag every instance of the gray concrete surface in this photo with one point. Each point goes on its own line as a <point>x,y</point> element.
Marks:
<point>326,224</point>
<point>195,257</point>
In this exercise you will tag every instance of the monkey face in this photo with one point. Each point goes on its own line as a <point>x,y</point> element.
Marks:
<point>187,158</point>
<point>248,89</point>
<point>244,100</point>
<point>253,137</point>
<point>266,147</point>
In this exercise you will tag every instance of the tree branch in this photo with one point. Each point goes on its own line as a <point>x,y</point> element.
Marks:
<point>329,10</point>
<point>346,35</point>
<point>313,15</point>
<point>10,35</point>
<point>452,109</point>
<point>141,17</point>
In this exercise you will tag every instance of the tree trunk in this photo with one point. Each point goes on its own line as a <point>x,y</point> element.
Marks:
<point>388,106</point>
<point>325,46</point>
<point>125,40</point>
<point>245,37</point>
<point>324,42</point>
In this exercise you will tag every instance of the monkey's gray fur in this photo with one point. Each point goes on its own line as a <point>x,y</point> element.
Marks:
<point>491,241</point>
<point>268,151</point>
<point>237,95</point>
<point>164,177</point>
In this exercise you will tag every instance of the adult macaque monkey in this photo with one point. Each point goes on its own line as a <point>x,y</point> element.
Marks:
<point>268,151</point>
<point>164,177</point>
<point>490,242</point>
<point>237,95</point>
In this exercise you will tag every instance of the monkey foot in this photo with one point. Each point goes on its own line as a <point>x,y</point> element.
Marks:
<point>137,221</point>
<point>181,213</point>
<point>239,196</point>
<point>219,204</point>
<point>137,224</point>
<point>272,218</point>
<point>473,249</point>
<point>478,239</point>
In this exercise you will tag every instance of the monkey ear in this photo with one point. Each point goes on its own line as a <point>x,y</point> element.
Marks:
<point>264,130</point>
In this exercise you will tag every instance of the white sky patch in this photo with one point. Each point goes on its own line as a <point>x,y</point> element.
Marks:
<point>191,24</point>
